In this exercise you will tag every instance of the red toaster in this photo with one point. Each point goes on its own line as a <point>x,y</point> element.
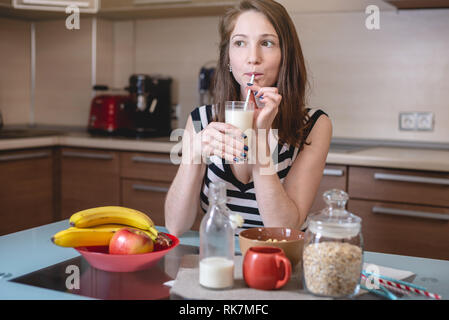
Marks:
<point>111,113</point>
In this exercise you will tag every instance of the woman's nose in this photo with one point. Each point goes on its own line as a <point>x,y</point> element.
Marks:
<point>253,55</point>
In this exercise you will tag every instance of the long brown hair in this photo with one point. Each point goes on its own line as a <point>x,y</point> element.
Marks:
<point>291,118</point>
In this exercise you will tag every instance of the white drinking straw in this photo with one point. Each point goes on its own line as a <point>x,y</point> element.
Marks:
<point>249,93</point>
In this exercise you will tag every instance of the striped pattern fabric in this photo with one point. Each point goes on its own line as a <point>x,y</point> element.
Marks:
<point>241,198</point>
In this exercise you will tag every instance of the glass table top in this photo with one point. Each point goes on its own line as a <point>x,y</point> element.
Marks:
<point>76,276</point>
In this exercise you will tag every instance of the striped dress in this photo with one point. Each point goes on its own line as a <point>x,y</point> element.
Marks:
<point>241,198</point>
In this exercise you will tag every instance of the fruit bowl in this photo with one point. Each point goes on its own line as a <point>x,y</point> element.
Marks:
<point>99,257</point>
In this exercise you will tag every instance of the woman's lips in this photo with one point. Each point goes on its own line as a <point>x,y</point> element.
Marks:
<point>256,74</point>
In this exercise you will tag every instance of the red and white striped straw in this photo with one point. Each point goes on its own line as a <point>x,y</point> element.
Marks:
<point>414,290</point>
<point>394,289</point>
<point>407,288</point>
<point>397,290</point>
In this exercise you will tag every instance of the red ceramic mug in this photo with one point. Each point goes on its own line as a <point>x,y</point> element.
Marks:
<point>266,268</point>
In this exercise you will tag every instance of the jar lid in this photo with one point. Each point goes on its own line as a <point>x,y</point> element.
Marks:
<point>334,221</point>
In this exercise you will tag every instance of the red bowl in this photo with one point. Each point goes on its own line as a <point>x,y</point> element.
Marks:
<point>99,257</point>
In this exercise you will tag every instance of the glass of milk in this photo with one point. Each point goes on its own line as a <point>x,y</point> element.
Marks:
<point>237,115</point>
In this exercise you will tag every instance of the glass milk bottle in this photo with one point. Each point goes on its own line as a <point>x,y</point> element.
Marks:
<point>217,242</point>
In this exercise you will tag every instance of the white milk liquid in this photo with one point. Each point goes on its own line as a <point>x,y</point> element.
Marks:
<point>217,272</point>
<point>242,119</point>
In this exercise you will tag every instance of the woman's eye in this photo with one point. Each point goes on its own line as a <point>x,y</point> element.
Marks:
<point>268,43</point>
<point>239,43</point>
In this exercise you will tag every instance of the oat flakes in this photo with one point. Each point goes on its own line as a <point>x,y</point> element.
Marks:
<point>332,268</point>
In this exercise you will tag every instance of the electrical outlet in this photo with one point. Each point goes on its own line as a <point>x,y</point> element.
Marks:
<point>424,121</point>
<point>407,121</point>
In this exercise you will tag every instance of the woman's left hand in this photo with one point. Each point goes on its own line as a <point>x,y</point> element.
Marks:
<point>269,96</point>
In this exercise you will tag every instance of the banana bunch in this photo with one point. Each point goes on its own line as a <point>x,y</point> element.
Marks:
<point>96,226</point>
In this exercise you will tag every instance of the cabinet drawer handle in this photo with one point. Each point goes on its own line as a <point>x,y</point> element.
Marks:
<point>411,213</point>
<point>98,156</point>
<point>141,187</point>
<point>34,155</point>
<point>333,172</point>
<point>151,160</point>
<point>406,178</point>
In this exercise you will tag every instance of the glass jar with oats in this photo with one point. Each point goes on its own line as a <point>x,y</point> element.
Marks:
<point>333,249</point>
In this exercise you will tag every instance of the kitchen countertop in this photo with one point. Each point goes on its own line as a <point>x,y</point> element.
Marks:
<point>391,157</point>
<point>30,250</point>
<point>85,140</point>
<point>387,156</point>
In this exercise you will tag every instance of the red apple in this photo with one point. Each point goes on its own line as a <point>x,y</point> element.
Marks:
<point>130,241</point>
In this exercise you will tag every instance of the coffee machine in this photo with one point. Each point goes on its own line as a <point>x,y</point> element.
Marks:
<point>151,96</point>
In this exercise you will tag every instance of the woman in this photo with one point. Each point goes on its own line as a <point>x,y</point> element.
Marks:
<point>257,37</point>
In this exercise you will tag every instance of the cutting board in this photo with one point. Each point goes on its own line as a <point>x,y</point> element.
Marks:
<point>186,284</point>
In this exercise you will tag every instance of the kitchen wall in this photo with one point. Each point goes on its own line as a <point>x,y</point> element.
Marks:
<point>63,64</point>
<point>63,79</point>
<point>362,78</point>
<point>63,69</point>
<point>170,47</point>
<point>14,70</point>
<point>365,78</point>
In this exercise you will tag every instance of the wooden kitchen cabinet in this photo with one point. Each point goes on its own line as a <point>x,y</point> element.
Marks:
<point>146,196</point>
<point>61,5</point>
<point>145,180</point>
<point>407,186</point>
<point>404,212</point>
<point>89,178</point>
<point>403,229</point>
<point>26,189</point>
<point>148,166</point>
<point>334,177</point>
<point>130,9</point>
<point>419,4</point>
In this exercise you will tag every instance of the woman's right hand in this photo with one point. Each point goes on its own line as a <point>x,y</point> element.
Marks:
<point>223,140</point>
